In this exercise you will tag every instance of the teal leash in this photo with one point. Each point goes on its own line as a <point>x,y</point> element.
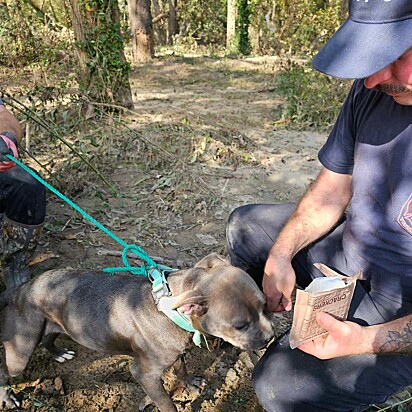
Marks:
<point>138,251</point>
<point>154,272</point>
<point>151,270</point>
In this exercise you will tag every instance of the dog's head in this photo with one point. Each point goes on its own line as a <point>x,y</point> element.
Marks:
<point>225,302</point>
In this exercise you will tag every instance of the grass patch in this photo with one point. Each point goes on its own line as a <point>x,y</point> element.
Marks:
<point>313,99</point>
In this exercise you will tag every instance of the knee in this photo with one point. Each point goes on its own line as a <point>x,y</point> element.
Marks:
<point>276,381</point>
<point>26,203</point>
<point>235,223</point>
<point>269,388</point>
<point>239,226</point>
<point>237,235</point>
<point>33,186</point>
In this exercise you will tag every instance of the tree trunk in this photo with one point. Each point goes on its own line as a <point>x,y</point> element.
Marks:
<point>172,21</point>
<point>141,26</point>
<point>103,70</point>
<point>237,29</point>
<point>231,25</point>
<point>158,28</point>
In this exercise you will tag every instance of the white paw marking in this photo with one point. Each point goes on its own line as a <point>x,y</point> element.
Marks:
<point>15,400</point>
<point>67,355</point>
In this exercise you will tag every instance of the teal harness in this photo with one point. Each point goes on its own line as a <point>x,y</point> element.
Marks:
<point>161,293</point>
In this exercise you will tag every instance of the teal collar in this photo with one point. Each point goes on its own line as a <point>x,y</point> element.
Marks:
<point>166,305</point>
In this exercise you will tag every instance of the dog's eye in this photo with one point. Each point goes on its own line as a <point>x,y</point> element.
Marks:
<point>241,326</point>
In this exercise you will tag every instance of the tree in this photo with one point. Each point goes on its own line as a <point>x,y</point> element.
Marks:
<point>103,70</point>
<point>237,33</point>
<point>158,29</point>
<point>140,17</point>
<point>172,21</point>
<point>231,24</point>
<point>242,27</point>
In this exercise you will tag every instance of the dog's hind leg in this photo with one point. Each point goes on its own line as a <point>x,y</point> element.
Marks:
<point>18,351</point>
<point>150,377</point>
<point>59,354</point>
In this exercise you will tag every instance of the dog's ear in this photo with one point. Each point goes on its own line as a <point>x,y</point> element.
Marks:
<point>192,303</point>
<point>213,260</point>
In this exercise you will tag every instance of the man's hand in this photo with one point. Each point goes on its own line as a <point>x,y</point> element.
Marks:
<point>8,146</point>
<point>344,339</point>
<point>278,283</point>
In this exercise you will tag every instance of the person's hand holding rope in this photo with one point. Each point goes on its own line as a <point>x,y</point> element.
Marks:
<point>8,146</point>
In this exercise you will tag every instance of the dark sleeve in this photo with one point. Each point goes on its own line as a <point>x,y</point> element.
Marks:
<point>1,102</point>
<point>337,154</point>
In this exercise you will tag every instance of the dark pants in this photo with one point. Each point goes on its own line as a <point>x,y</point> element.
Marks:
<point>22,197</point>
<point>288,380</point>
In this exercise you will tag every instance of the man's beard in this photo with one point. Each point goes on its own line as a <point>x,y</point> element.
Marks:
<point>392,89</point>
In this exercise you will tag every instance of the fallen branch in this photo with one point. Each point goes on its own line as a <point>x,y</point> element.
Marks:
<point>159,17</point>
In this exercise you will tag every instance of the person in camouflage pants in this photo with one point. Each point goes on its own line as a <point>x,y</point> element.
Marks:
<point>22,206</point>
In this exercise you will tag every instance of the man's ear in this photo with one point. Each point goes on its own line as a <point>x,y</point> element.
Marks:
<point>213,260</point>
<point>192,303</point>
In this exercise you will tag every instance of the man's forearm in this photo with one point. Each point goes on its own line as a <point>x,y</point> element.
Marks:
<point>9,123</point>
<point>393,337</point>
<point>318,212</point>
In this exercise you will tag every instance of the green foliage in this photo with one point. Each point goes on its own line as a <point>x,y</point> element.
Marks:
<point>296,27</point>
<point>205,22</point>
<point>103,46</point>
<point>313,100</point>
<point>25,37</point>
<point>242,44</point>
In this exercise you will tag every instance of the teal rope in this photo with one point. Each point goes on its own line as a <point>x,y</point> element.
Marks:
<point>137,250</point>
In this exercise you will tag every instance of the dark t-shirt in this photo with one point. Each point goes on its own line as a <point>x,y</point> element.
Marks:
<point>372,140</point>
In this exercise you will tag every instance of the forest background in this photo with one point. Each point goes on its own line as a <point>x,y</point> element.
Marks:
<point>158,117</point>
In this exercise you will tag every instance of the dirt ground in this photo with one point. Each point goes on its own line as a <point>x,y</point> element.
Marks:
<point>216,118</point>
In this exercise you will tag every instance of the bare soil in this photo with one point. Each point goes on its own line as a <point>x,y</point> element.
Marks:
<point>215,120</point>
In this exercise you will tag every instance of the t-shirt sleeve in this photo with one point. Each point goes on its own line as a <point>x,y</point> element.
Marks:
<point>337,154</point>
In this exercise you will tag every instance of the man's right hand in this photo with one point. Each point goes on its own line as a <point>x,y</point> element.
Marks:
<point>7,147</point>
<point>279,281</point>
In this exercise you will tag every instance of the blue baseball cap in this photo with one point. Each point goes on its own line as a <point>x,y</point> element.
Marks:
<point>376,34</point>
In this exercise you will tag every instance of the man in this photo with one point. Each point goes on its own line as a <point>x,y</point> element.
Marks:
<point>22,206</point>
<point>356,215</point>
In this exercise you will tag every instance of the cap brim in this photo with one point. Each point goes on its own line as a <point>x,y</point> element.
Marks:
<point>358,50</point>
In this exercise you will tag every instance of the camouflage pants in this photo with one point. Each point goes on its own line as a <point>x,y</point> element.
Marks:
<point>22,213</point>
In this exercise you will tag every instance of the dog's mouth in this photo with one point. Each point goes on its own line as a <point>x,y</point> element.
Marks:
<point>249,346</point>
<point>256,347</point>
<point>263,346</point>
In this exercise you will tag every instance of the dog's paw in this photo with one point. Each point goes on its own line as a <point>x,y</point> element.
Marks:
<point>195,383</point>
<point>64,355</point>
<point>145,403</point>
<point>8,400</point>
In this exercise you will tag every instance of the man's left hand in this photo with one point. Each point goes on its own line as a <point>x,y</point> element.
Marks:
<point>344,339</point>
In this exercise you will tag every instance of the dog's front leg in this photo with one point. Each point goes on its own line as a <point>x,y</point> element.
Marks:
<point>191,382</point>
<point>7,399</point>
<point>150,377</point>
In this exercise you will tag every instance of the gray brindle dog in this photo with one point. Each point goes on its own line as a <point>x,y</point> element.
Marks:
<point>118,315</point>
